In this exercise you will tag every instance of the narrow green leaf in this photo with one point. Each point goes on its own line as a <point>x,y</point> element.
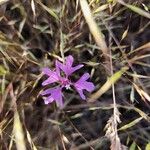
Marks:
<point>101,8</point>
<point>133,146</point>
<point>3,71</point>
<point>147,146</point>
<point>139,11</point>
<point>135,9</point>
<point>129,125</point>
<point>107,85</point>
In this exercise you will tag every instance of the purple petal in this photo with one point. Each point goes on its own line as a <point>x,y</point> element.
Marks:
<point>53,77</point>
<point>48,81</point>
<point>57,65</point>
<point>61,66</point>
<point>47,71</point>
<point>59,102</point>
<point>84,77</point>
<point>76,68</point>
<point>67,66</point>
<point>82,84</point>
<point>69,61</point>
<point>55,94</point>
<point>81,94</point>
<point>89,86</point>
<point>48,100</point>
<point>46,92</point>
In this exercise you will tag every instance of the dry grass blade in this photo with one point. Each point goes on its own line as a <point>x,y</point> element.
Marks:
<point>4,124</point>
<point>142,114</point>
<point>145,46</point>
<point>142,64</point>
<point>30,140</point>
<point>131,124</point>
<point>49,10</point>
<point>17,127</point>
<point>135,9</point>
<point>101,8</point>
<point>94,29</point>
<point>111,130</point>
<point>125,33</point>
<point>54,122</point>
<point>33,7</point>
<point>3,1</point>
<point>112,80</point>
<point>142,93</point>
<point>138,75</point>
<point>2,51</point>
<point>4,96</point>
<point>18,132</point>
<point>139,57</point>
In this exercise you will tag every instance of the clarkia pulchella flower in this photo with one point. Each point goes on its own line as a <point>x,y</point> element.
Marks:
<point>60,75</point>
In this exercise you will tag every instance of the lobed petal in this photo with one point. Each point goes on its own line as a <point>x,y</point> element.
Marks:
<point>76,68</point>
<point>82,84</point>
<point>57,65</point>
<point>81,94</point>
<point>46,92</point>
<point>84,77</point>
<point>53,77</point>
<point>48,100</point>
<point>47,71</point>
<point>67,66</point>
<point>69,61</point>
<point>55,94</point>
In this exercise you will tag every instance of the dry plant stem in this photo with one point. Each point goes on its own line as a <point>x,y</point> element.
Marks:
<point>115,144</point>
<point>145,46</point>
<point>63,144</point>
<point>61,32</point>
<point>95,31</point>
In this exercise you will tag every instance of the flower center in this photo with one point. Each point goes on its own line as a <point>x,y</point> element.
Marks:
<point>66,83</point>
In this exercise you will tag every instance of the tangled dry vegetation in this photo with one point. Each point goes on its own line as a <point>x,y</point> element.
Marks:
<point>111,38</point>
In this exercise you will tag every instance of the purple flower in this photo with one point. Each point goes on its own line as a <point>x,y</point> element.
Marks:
<point>55,94</point>
<point>67,67</point>
<point>82,84</point>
